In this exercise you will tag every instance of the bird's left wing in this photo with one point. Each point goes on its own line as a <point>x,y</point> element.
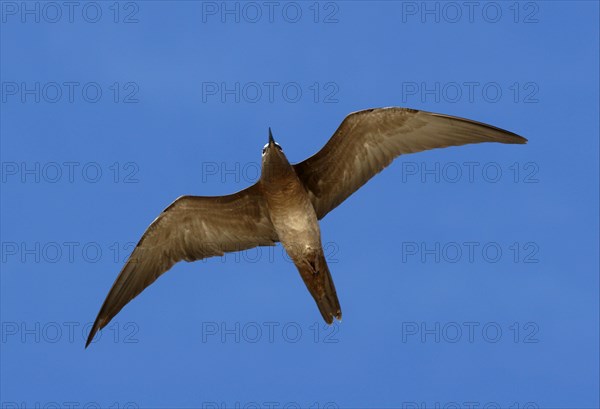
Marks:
<point>367,141</point>
<point>191,228</point>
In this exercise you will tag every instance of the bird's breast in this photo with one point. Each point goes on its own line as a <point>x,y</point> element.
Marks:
<point>293,215</point>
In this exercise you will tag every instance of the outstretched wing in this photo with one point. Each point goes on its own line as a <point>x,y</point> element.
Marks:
<point>367,141</point>
<point>191,228</point>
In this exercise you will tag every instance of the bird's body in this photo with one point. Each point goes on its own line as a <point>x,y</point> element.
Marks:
<point>290,209</point>
<point>295,221</point>
<point>287,202</point>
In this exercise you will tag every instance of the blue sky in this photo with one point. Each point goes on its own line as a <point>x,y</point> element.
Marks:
<point>467,276</point>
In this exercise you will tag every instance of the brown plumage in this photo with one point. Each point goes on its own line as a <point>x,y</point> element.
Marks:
<point>287,202</point>
<point>368,141</point>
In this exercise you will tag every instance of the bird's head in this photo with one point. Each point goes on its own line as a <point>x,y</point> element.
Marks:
<point>270,145</point>
<point>273,158</point>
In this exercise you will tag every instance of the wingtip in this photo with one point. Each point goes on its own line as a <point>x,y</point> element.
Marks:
<point>510,137</point>
<point>515,138</point>
<point>98,325</point>
<point>90,338</point>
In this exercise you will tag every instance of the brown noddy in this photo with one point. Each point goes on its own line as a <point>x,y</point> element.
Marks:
<point>287,202</point>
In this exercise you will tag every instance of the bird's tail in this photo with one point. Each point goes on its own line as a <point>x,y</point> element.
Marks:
<point>319,282</point>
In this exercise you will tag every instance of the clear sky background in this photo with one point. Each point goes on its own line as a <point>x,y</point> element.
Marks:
<point>467,276</point>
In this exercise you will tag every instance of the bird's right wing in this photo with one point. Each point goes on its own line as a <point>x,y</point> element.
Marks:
<point>367,141</point>
<point>191,228</point>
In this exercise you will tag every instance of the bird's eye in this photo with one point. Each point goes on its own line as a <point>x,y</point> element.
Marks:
<point>278,146</point>
<point>264,150</point>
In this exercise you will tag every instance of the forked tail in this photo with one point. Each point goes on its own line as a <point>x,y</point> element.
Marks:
<point>319,282</point>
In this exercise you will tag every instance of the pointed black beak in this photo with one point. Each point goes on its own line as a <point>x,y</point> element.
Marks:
<point>271,140</point>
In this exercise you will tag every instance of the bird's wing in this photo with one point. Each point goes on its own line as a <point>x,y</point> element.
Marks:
<point>367,141</point>
<point>191,228</point>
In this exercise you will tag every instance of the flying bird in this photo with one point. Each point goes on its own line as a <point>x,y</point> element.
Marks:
<point>287,202</point>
